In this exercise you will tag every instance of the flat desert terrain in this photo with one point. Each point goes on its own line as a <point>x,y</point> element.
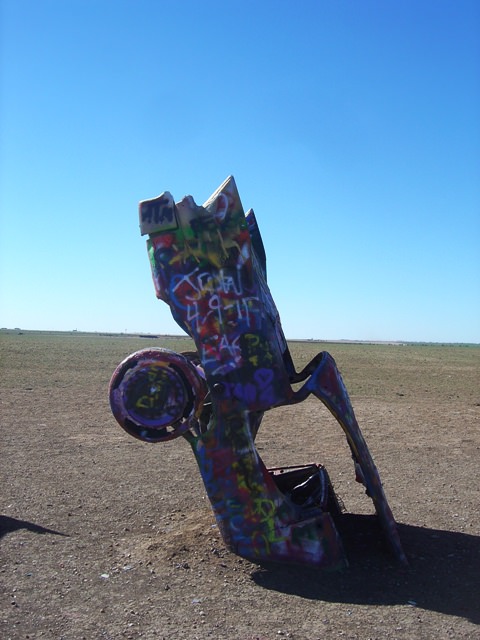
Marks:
<point>104,537</point>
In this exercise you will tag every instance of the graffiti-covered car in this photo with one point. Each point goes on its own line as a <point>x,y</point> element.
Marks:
<point>208,264</point>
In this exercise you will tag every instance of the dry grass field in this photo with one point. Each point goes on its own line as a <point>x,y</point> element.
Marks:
<point>106,537</point>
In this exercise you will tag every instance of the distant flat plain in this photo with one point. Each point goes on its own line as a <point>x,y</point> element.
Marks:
<point>103,536</point>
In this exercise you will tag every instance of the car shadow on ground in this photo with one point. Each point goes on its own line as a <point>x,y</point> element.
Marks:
<point>7,525</point>
<point>443,572</point>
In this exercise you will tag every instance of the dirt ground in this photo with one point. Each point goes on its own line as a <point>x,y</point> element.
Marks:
<point>103,536</point>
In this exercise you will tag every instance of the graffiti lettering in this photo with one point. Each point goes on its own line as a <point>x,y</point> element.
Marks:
<point>261,390</point>
<point>231,284</point>
<point>257,350</point>
<point>264,380</point>
<point>157,211</point>
<point>198,284</point>
<point>264,508</point>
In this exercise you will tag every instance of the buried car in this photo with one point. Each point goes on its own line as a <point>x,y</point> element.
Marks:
<point>209,265</point>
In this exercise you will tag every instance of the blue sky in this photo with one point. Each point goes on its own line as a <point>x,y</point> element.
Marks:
<point>352,129</point>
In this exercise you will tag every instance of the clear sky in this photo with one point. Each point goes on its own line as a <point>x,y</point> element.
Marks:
<point>352,129</point>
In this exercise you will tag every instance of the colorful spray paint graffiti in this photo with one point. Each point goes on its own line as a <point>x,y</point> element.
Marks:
<point>208,264</point>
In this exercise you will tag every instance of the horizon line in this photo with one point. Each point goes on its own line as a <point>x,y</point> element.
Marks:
<point>148,335</point>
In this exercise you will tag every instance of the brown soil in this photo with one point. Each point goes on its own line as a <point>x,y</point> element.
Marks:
<point>103,536</point>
